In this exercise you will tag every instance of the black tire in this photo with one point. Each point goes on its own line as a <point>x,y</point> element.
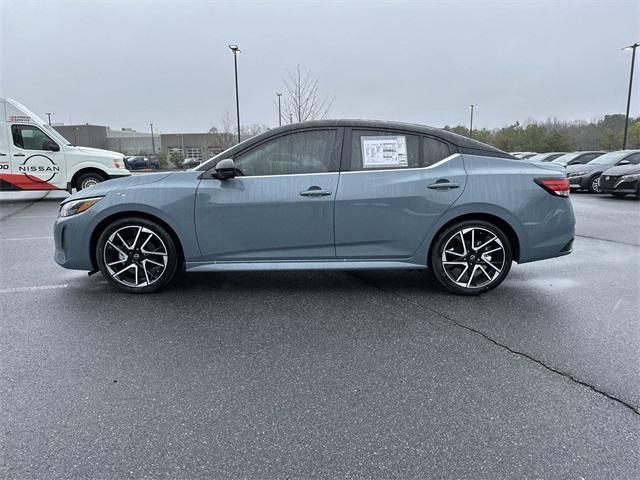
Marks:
<point>153,269</point>
<point>594,184</point>
<point>502,257</point>
<point>87,180</point>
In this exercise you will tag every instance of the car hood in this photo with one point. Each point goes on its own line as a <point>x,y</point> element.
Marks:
<point>623,170</point>
<point>99,152</point>
<point>103,188</point>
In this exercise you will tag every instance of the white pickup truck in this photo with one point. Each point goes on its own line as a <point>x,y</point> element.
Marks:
<point>33,156</point>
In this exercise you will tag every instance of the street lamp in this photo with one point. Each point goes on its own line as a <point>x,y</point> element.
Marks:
<point>279,110</point>
<point>48,114</point>
<point>153,146</point>
<point>75,136</point>
<point>626,118</point>
<point>471,122</point>
<point>236,50</point>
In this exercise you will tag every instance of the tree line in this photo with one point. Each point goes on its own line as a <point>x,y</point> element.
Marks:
<point>554,135</point>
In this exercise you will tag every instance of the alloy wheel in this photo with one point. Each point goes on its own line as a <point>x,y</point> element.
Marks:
<point>135,256</point>
<point>89,182</point>
<point>473,257</point>
<point>595,184</point>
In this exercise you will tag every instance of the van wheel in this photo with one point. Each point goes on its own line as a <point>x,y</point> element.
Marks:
<point>471,257</point>
<point>137,255</point>
<point>88,180</point>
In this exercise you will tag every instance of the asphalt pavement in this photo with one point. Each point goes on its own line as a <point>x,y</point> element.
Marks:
<point>322,374</point>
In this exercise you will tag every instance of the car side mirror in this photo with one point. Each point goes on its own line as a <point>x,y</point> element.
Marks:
<point>50,146</point>
<point>623,162</point>
<point>225,169</point>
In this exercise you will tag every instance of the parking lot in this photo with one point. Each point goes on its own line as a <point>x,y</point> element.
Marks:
<point>322,374</point>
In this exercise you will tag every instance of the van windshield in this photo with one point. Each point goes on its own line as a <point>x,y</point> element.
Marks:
<point>41,123</point>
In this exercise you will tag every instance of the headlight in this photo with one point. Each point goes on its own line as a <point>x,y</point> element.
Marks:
<point>78,206</point>
<point>633,176</point>
<point>118,163</point>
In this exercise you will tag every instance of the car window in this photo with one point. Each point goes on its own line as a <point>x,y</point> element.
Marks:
<point>633,159</point>
<point>29,137</point>
<point>433,151</point>
<point>376,150</point>
<point>312,151</point>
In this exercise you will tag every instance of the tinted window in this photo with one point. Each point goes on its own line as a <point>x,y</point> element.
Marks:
<point>29,137</point>
<point>587,157</point>
<point>433,151</point>
<point>376,149</point>
<point>303,152</point>
<point>633,159</point>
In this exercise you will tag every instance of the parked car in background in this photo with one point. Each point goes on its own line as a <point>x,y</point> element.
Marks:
<point>523,155</point>
<point>398,196</point>
<point>546,157</point>
<point>191,162</point>
<point>587,176</point>
<point>140,163</point>
<point>576,158</point>
<point>622,180</point>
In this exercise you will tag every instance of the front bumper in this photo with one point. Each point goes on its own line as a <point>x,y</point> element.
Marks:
<point>615,184</point>
<point>71,249</point>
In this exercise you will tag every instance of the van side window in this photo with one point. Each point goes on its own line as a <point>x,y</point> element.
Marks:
<point>382,150</point>
<point>433,151</point>
<point>29,137</point>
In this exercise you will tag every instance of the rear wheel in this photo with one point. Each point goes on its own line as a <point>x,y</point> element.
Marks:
<point>594,184</point>
<point>471,257</point>
<point>88,180</point>
<point>137,255</point>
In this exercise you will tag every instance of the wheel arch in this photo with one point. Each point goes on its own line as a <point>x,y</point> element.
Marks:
<point>105,222</point>
<point>496,220</point>
<point>86,170</point>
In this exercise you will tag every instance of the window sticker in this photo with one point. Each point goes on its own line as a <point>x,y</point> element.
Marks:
<point>384,151</point>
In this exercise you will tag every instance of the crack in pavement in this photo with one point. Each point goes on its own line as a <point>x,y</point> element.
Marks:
<point>564,374</point>
<point>31,204</point>
<point>607,240</point>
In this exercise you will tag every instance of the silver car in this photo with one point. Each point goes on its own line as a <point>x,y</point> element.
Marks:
<point>335,194</point>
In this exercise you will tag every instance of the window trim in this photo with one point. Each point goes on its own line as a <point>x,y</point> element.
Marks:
<point>335,156</point>
<point>23,125</point>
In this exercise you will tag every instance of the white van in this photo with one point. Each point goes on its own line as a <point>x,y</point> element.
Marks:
<point>33,156</point>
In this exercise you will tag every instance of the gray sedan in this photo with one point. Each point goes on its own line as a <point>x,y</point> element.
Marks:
<point>326,195</point>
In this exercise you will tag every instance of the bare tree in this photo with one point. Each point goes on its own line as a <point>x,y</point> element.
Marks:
<point>228,134</point>
<point>303,100</point>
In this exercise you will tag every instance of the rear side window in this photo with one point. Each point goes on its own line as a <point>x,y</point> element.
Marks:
<point>433,151</point>
<point>29,137</point>
<point>380,150</point>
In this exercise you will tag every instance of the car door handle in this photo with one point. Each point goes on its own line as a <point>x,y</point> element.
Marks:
<point>443,185</point>
<point>315,192</point>
<point>18,155</point>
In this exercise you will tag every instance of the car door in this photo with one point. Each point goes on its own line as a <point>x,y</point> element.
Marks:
<point>393,186</point>
<point>37,161</point>
<point>280,205</point>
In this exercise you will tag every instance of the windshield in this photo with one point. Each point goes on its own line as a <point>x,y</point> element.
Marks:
<point>609,158</point>
<point>565,159</point>
<point>539,157</point>
<point>41,123</point>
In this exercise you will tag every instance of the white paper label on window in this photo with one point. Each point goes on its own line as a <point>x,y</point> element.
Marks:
<point>384,151</point>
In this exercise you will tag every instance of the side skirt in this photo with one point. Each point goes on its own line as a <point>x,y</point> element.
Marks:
<point>294,265</point>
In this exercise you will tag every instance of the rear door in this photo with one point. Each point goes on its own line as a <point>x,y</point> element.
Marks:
<point>35,163</point>
<point>280,206</point>
<point>393,186</point>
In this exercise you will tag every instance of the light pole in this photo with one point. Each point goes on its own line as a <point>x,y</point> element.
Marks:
<point>75,136</point>
<point>153,146</point>
<point>471,122</point>
<point>626,118</point>
<point>236,50</point>
<point>279,110</point>
<point>48,114</point>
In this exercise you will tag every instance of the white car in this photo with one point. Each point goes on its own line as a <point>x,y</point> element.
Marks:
<point>33,156</point>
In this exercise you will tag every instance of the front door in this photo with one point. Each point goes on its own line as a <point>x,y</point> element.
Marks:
<point>393,187</point>
<point>280,204</point>
<point>37,161</point>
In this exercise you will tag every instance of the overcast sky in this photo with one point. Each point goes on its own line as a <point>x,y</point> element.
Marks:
<point>128,63</point>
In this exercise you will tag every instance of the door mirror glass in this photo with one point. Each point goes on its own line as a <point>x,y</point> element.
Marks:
<point>50,145</point>
<point>225,169</point>
<point>623,162</point>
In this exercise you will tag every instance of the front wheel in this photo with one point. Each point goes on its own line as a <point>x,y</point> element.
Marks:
<point>137,255</point>
<point>471,257</point>
<point>88,180</point>
<point>594,184</point>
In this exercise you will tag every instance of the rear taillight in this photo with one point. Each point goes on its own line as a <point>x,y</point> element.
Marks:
<point>555,186</point>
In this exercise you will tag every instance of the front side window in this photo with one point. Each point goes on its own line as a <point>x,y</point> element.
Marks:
<point>376,150</point>
<point>312,151</point>
<point>633,159</point>
<point>29,137</point>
